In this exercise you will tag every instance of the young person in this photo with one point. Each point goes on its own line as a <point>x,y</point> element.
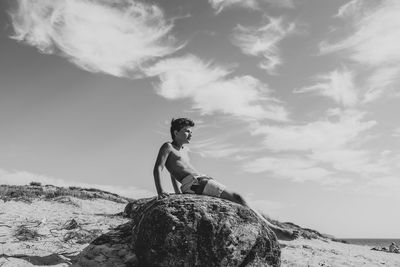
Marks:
<point>173,156</point>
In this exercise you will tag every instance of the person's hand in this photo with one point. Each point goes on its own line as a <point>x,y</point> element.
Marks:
<point>162,195</point>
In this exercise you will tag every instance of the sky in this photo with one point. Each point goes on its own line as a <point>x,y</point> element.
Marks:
<point>295,102</point>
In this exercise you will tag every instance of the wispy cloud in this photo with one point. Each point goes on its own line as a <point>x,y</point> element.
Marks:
<point>318,135</point>
<point>263,41</point>
<point>338,85</point>
<point>376,35</point>
<point>295,168</point>
<point>381,80</point>
<point>215,149</point>
<point>114,37</point>
<point>372,43</point>
<point>219,147</point>
<point>220,5</point>
<point>24,178</point>
<point>353,160</point>
<point>212,89</point>
<point>317,150</point>
<point>350,9</point>
<point>128,38</point>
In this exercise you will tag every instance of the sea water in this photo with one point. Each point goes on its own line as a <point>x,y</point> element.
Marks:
<point>372,242</point>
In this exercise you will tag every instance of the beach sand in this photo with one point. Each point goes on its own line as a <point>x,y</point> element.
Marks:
<point>304,252</point>
<point>52,248</point>
<point>48,218</point>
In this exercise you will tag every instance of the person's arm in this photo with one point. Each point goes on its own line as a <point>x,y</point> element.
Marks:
<point>175,185</point>
<point>158,167</point>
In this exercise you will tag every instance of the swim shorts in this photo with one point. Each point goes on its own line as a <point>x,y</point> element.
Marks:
<point>201,185</point>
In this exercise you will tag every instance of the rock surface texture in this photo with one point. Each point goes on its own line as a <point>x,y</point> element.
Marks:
<point>191,230</point>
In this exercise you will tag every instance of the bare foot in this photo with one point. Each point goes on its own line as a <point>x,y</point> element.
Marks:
<point>283,234</point>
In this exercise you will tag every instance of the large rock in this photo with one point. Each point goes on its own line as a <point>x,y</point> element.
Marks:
<point>191,230</point>
<point>184,230</point>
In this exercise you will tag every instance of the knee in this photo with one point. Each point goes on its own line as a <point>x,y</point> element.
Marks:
<point>239,199</point>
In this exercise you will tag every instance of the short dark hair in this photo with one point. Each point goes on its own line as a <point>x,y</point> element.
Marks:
<point>178,124</point>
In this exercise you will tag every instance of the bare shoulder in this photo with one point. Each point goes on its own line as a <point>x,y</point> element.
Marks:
<point>166,147</point>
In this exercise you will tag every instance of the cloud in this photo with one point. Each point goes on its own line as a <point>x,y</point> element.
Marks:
<point>315,136</point>
<point>212,149</point>
<point>128,38</point>
<point>212,89</point>
<point>349,160</point>
<point>350,9</point>
<point>24,178</point>
<point>376,35</point>
<point>263,41</point>
<point>380,81</point>
<point>318,151</point>
<point>371,43</point>
<point>217,147</point>
<point>220,5</point>
<point>338,85</point>
<point>292,167</point>
<point>114,37</point>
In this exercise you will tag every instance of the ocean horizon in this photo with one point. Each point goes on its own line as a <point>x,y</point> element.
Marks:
<point>372,242</point>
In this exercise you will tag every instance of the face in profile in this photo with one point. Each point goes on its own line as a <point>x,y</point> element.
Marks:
<point>184,135</point>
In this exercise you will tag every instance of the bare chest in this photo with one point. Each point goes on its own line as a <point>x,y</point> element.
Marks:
<point>178,155</point>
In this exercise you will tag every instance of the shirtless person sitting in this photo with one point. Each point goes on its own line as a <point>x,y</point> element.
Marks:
<point>173,156</point>
<point>394,248</point>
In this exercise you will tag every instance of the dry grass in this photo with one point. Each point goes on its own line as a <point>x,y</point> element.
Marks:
<point>23,233</point>
<point>27,193</point>
<point>66,200</point>
<point>82,236</point>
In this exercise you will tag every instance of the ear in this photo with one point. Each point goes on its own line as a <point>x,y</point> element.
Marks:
<point>175,132</point>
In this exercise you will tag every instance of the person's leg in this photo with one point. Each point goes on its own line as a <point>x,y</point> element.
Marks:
<point>215,189</point>
<point>234,197</point>
<point>281,233</point>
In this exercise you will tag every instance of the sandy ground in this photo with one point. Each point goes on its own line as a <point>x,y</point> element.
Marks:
<point>49,219</point>
<point>314,252</point>
<point>56,245</point>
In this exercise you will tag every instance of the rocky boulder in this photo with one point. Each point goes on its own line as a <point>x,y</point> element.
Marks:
<point>192,230</point>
